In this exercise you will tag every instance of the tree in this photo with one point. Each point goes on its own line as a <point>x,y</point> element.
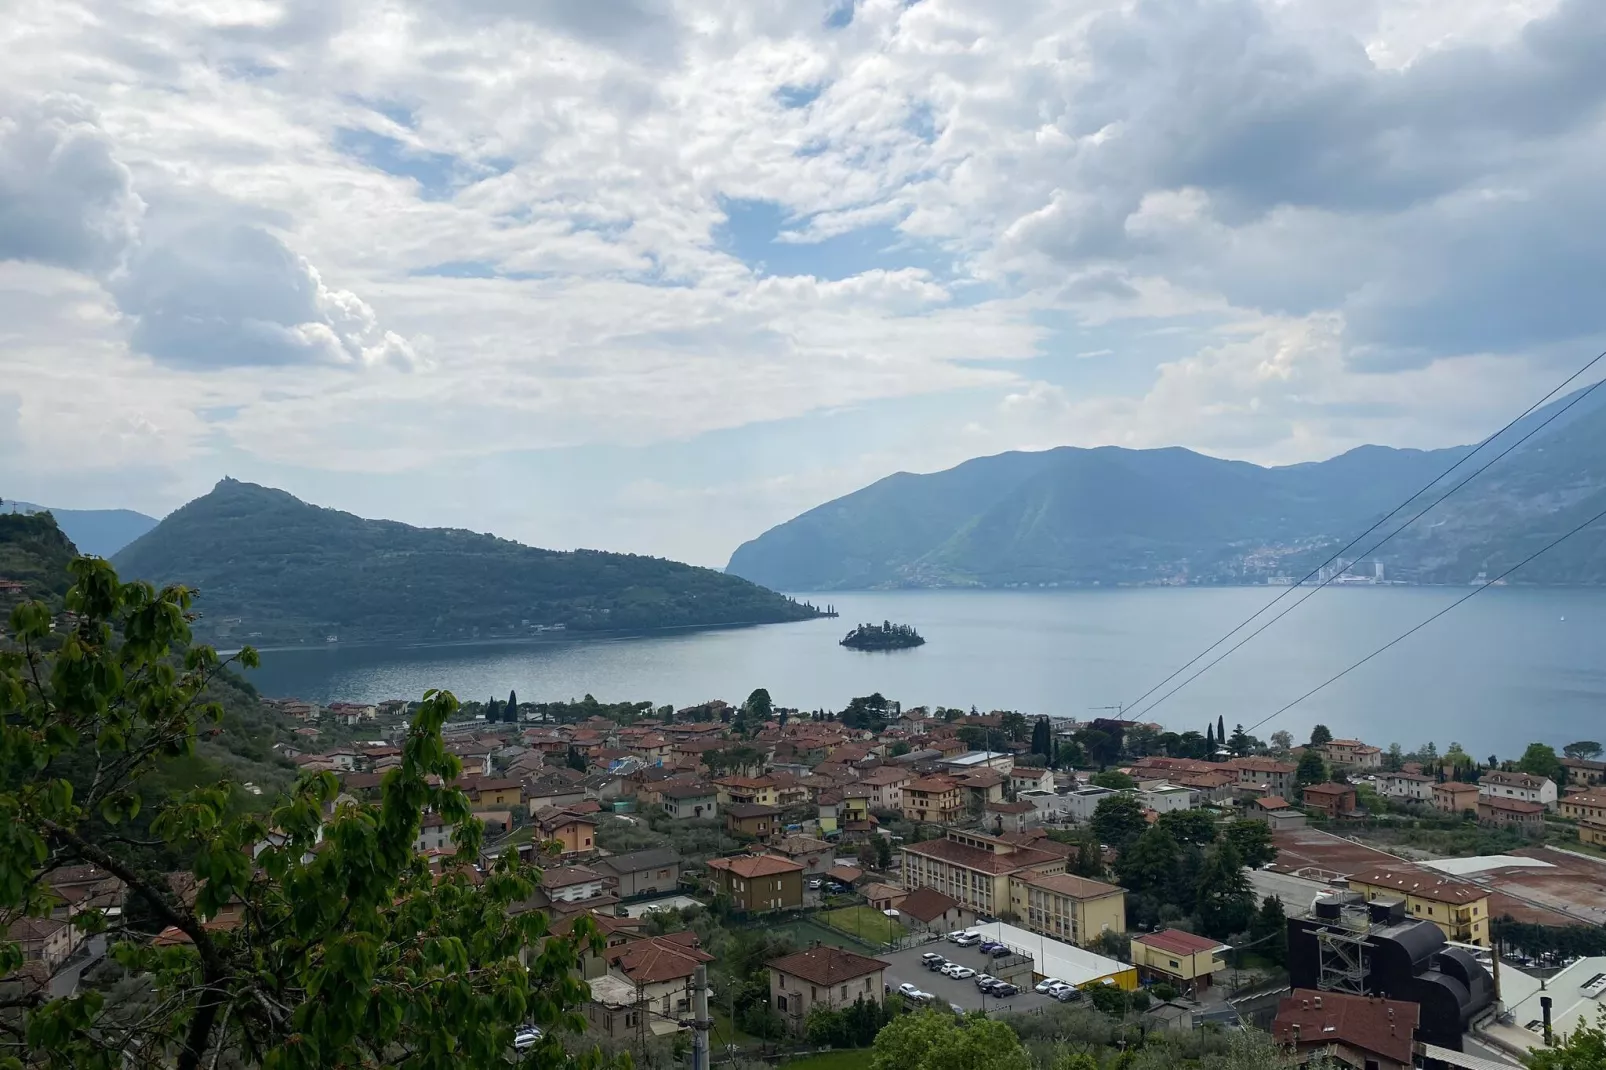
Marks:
<point>575,760</point>
<point>1075,1060</point>
<point>1311,770</point>
<point>1320,736</point>
<point>1282,741</point>
<point>1112,778</point>
<point>493,711</point>
<point>1268,930</point>
<point>1102,747</point>
<point>933,1041</point>
<point>1042,738</point>
<point>1540,760</point>
<point>1118,820</point>
<point>1210,736</point>
<point>1148,864</point>
<point>1252,840</point>
<point>511,713</point>
<point>883,853</point>
<point>1013,726</point>
<point>1584,750</point>
<point>973,736</point>
<point>1241,742</point>
<point>1089,859</point>
<point>1221,729</point>
<point>354,953</point>
<point>1193,827</point>
<point>1110,999</point>
<point>1225,901</point>
<point>1584,1049</point>
<point>1069,755</point>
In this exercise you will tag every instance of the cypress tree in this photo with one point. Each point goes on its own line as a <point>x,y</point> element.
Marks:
<point>511,714</point>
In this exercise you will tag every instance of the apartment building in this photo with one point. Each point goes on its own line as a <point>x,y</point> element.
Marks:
<point>938,798</point>
<point>886,786</point>
<point>1458,908</point>
<point>1276,777</point>
<point>1406,787</point>
<point>1521,814</point>
<point>1454,797</point>
<point>1499,784</point>
<point>974,869</point>
<point>1583,804</point>
<point>1351,753</point>
<point>1071,908</point>
<point>758,883</point>
<point>823,976</point>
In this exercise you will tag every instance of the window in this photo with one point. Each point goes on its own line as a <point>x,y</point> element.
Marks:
<point>814,993</point>
<point>780,1003</point>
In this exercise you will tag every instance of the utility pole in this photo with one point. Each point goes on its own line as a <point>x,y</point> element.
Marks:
<point>701,1023</point>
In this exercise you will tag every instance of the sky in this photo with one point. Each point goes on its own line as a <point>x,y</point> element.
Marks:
<point>656,275</point>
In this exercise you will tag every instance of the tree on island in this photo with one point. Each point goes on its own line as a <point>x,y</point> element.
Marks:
<point>885,636</point>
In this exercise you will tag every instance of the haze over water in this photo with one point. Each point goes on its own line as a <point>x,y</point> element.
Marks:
<point>1499,672</point>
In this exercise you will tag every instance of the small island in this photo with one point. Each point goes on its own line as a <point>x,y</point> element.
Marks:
<point>883,636</point>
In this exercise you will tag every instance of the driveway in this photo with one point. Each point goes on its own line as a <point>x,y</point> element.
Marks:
<point>904,966</point>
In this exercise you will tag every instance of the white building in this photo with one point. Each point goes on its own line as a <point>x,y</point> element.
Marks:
<point>1409,787</point>
<point>1081,803</point>
<point>997,761</point>
<point>1164,798</point>
<point>1026,778</point>
<point>1524,786</point>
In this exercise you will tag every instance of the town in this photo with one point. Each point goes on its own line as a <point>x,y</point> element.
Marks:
<point>811,874</point>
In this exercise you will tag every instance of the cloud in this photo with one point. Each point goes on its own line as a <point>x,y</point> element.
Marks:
<point>64,197</point>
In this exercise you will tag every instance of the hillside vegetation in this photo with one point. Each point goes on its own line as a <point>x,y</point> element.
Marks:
<point>273,569</point>
<point>1075,517</point>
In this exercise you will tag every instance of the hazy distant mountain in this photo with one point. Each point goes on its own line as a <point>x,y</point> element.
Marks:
<point>273,569</point>
<point>1108,515</point>
<point>99,532</point>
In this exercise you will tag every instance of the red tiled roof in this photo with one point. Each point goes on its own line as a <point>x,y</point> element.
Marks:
<point>826,965</point>
<point>1515,806</point>
<point>751,866</point>
<point>1378,1026</point>
<point>652,959</point>
<point>1328,789</point>
<point>1420,883</point>
<point>1073,886</point>
<point>1272,802</point>
<point>1178,942</point>
<point>978,859</point>
<point>924,904</point>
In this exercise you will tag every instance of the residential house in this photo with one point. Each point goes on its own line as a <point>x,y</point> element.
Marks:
<point>1583,804</point>
<point>574,833</point>
<point>1333,800</point>
<point>998,761</point>
<point>973,868</point>
<point>570,884</point>
<point>937,798</point>
<point>1066,906</point>
<point>879,896</point>
<point>1584,772</point>
<point>551,791</point>
<point>1359,1032</point>
<point>487,793</point>
<point>1165,798</point>
<point>1454,797</point>
<point>434,834</point>
<point>47,941</point>
<point>840,808</point>
<point>655,871</point>
<point>689,801</point>
<point>1499,784</point>
<point>1406,787</point>
<point>1026,778</point>
<point>1460,909</point>
<point>1214,787</point>
<point>1500,812</point>
<point>1276,812</point>
<point>812,854</point>
<point>886,786</point>
<point>1081,803</point>
<point>750,819</point>
<point>475,756</point>
<point>932,911</point>
<point>1179,958</point>
<point>746,789</point>
<point>660,969</point>
<point>1350,754</point>
<point>1001,817</point>
<point>1276,777</point>
<point>1592,831</point>
<point>822,976</point>
<point>758,883</point>
<point>982,786</point>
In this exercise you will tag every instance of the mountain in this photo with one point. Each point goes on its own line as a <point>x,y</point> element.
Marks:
<point>98,532</point>
<point>34,552</point>
<point>273,569</point>
<point>1108,515</point>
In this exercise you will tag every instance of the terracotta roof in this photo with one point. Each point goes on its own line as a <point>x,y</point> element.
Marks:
<point>1328,789</point>
<point>800,845</point>
<point>751,866</point>
<point>1073,886</point>
<point>1257,764</point>
<point>884,776</point>
<point>659,958</point>
<point>934,785</point>
<point>877,890</point>
<point>567,876</point>
<point>641,861</point>
<point>1178,942</point>
<point>1514,780</point>
<point>1516,806</point>
<point>825,965</point>
<point>687,791</point>
<point>845,874</point>
<point>978,859</point>
<point>1378,1026</point>
<point>924,904</point>
<point>1272,802</point>
<point>1420,883</point>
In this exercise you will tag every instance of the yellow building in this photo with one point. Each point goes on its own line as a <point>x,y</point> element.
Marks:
<point>936,798</point>
<point>1583,805</point>
<point>1177,956</point>
<point>974,869</point>
<point>1459,909</point>
<point>756,790</point>
<point>1592,832</point>
<point>575,834</point>
<point>1072,908</point>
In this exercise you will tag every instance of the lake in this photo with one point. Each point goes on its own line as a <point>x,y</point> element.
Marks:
<point>1509,667</point>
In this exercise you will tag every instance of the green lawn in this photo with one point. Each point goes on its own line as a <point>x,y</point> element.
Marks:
<point>831,1060</point>
<point>725,1031</point>
<point>864,922</point>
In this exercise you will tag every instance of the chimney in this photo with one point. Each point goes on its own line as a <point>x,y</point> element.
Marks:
<point>1296,1032</point>
<point>1544,1007</point>
<point>1391,1014</point>
<point>1318,1002</point>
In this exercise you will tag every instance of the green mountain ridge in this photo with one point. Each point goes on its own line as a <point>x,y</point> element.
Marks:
<point>1108,515</point>
<point>272,569</point>
<point>98,532</point>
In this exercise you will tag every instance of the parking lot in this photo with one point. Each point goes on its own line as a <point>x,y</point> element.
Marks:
<point>905,967</point>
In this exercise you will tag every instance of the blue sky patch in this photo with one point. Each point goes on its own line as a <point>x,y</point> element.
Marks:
<point>435,172</point>
<point>798,96</point>
<point>840,16</point>
<point>752,227</point>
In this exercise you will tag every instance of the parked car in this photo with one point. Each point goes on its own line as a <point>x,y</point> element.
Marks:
<point>1048,983</point>
<point>953,937</point>
<point>938,963</point>
<point>947,969</point>
<point>998,951</point>
<point>961,973</point>
<point>968,939</point>
<point>1067,994</point>
<point>1003,990</point>
<point>986,946</point>
<point>526,1038</point>
<point>984,979</point>
<point>908,990</point>
<point>815,884</point>
<point>929,957</point>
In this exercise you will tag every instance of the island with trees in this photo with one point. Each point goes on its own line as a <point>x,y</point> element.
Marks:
<point>883,636</point>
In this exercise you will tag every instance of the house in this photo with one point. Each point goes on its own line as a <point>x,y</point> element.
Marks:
<point>1592,831</point>
<point>47,941</point>
<point>746,789</point>
<point>1025,778</point>
<point>1460,909</point>
<point>1165,798</point>
<point>570,884</point>
<point>1081,803</point>
<point>1351,754</point>
<point>1498,784</point>
<point>434,834</point>
<point>1254,771</point>
<point>1066,906</point>
<point>1584,772</point>
<point>1583,804</point>
<point>1333,800</point>
<point>936,798</point>
<point>1180,958</point>
<point>660,969</point>
<point>758,883</point>
<point>812,854</point>
<point>486,793</point>
<point>654,871</point>
<point>886,786</point>
<point>750,819</point>
<point>1360,1032</point>
<point>880,896</point>
<point>822,976</point>
<point>1008,816</point>
<point>974,868</point>
<point>1406,787</point>
<point>847,876</point>
<point>1454,797</point>
<point>552,792</point>
<point>689,802</point>
<point>931,910</point>
<point>1276,812</point>
<point>574,833</point>
<point>1500,812</point>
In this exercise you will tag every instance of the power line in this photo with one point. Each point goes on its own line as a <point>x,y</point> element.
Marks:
<point>1381,521</point>
<point>1418,627</point>
<point>1372,549</point>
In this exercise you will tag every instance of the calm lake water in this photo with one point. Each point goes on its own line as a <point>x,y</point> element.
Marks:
<point>1509,667</point>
